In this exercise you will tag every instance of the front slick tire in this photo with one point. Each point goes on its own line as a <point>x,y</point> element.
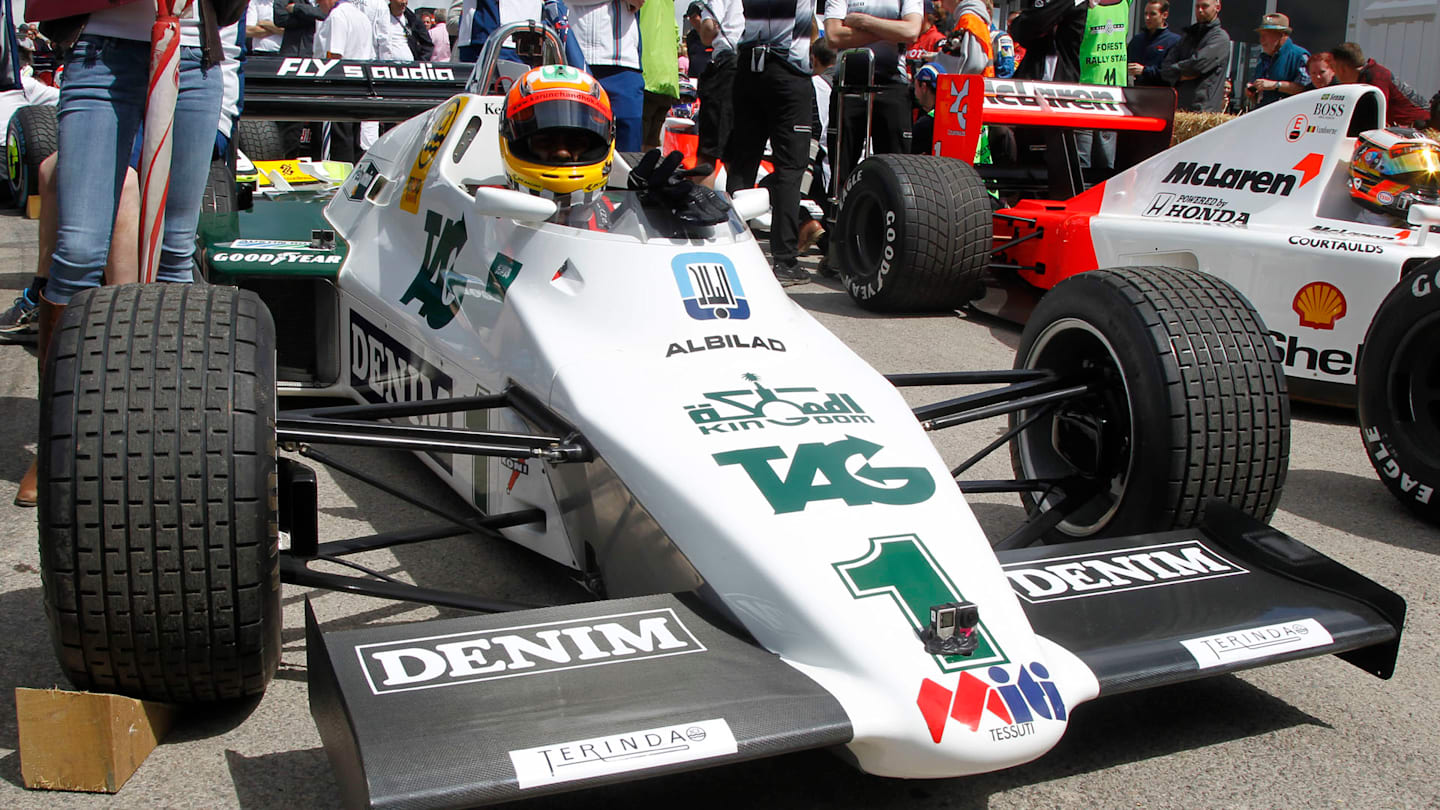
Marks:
<point>157,466</point>
<point>1399,392</point>
<point>1193,405</point>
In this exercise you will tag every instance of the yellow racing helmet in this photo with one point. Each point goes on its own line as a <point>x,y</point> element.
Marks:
<point>557,134</point>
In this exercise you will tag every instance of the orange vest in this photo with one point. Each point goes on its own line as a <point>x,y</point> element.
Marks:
<point>980,30</point>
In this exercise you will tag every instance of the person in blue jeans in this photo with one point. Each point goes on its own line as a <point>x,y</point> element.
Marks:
<point>102,103</point>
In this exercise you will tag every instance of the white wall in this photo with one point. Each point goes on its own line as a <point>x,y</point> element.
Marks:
<point>1403,35</point>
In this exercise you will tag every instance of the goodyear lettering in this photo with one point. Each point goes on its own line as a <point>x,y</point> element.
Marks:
<point>1335,244</point>
<point>276,258</point>
<point>1215,175</point>
<point>1423,286</point>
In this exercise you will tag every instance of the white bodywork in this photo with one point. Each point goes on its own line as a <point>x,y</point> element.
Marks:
<point>830,465</point>
<point>1298,249</point>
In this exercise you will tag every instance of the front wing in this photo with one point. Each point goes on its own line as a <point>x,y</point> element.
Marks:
<point>477,710</point>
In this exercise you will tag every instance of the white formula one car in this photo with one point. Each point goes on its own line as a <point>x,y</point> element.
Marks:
<point>1263,202</point>
<point>782,560</point>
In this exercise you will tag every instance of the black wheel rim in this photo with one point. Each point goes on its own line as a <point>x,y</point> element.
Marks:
<point>1413,388</point>
<point>1077,351</point>
<point>866,225</point>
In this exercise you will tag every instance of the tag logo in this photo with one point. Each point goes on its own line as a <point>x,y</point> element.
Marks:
<point>710,287</point>
<point>438,288</point>
<point>800,486</point>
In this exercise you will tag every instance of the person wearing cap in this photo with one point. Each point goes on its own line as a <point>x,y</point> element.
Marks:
<point>1281,69</point>
<point>925,46</point>
<point>922,139</point>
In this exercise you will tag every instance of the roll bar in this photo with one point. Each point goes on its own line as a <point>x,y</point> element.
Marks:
<point>483,76</point>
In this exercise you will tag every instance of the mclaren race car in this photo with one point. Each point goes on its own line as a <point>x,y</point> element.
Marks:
<point>1263,202</point>
<point>780,557</point>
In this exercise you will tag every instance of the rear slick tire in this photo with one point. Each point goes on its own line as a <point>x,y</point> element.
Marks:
<point>158,540</point>
<point>912,233</point>
<point>1398,392</point>
<point>1194,409</point>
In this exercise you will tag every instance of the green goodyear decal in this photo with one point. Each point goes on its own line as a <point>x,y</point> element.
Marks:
<point>902,568</point>
<point>798,488</point>
<point>503,272</point>
<point>755,409</point>
<point>436,286</point>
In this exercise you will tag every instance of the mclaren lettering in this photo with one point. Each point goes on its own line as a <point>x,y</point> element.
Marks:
<point>451,660</point>
<point>1215,175</point>
<point>1077,577</point>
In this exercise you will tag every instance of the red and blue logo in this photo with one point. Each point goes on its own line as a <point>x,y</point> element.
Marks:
<point>1015,701</point>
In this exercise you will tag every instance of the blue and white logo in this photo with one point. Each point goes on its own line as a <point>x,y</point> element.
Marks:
<point>710,287</point>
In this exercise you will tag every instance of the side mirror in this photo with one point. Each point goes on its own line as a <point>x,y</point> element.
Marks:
<point>750,203</point>
<point>1423,215</point>
<point>511,204</point>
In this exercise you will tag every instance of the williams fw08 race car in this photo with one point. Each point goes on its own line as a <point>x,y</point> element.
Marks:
<point>1263,202</point>
<point>780,557</point>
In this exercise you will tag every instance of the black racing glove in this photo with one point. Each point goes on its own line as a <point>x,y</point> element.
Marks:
<point>664,183</point>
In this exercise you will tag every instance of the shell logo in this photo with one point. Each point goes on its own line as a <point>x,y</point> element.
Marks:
<point>1319,305</point>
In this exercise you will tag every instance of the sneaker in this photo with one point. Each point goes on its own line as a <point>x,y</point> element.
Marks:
<point>20,323</point>
<point>789,274</point>
<point>827,270</point>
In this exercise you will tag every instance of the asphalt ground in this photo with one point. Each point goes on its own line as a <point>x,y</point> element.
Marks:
<point>1313,733</point>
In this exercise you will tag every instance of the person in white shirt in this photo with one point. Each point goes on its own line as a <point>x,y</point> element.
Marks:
<point>345,33</point>
<point>400,36</point>
<point>609,37</point>
<point>260,27</point>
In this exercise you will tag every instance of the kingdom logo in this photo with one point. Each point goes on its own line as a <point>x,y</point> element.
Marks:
<point>757,408</point>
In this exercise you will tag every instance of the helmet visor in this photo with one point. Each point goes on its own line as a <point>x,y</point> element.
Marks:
<point>560,131</point>
<point>1415,165</point>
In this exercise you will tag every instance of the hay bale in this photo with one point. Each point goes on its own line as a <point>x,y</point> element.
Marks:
<point>1190,124</point>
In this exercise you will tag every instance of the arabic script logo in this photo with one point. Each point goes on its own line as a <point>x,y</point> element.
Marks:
<point>710,287</point>
<point>760,407</point>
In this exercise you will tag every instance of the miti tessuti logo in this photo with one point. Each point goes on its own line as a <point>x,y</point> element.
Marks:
<point>710,287</point>
<point>1006,703</point>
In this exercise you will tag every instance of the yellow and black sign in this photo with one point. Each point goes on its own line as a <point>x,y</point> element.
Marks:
<point>444,120</point>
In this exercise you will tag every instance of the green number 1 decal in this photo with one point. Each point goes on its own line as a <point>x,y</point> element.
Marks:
<point>901,568</point>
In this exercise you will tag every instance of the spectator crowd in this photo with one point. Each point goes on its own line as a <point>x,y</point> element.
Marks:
<point>763,73</point>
